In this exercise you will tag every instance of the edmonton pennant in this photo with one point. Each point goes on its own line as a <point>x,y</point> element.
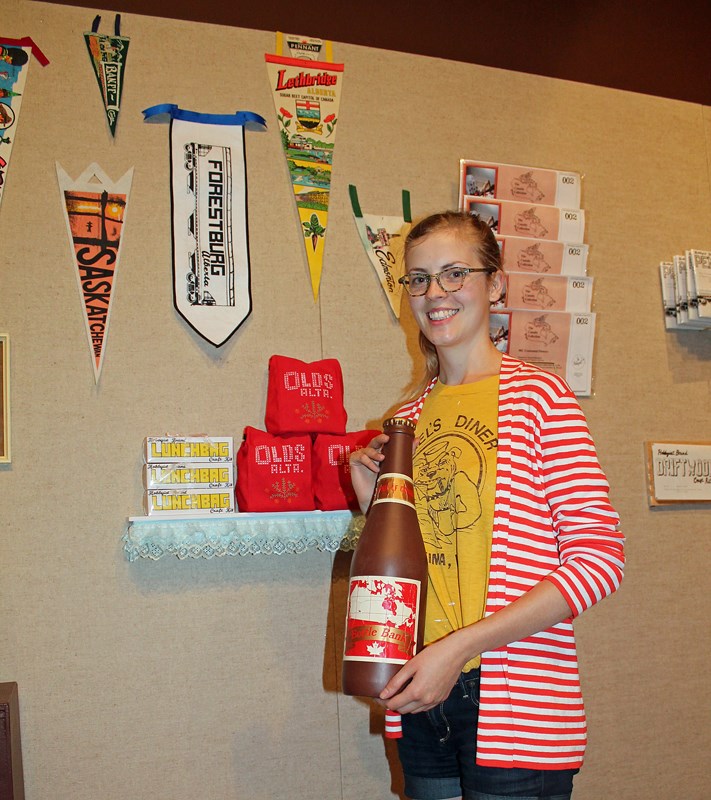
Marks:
<point>384,241</point>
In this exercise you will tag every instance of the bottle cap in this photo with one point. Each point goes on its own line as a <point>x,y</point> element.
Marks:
<point>399,424</point>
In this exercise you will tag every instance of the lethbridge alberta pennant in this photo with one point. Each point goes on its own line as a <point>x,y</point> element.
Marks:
<point>14,62</point>
<point>95,212</point>
<point>211,280</point>
<point>306,97</point>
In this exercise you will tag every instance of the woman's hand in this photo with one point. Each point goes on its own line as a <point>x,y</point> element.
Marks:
<point>427,679</point>
<point>365,465</point>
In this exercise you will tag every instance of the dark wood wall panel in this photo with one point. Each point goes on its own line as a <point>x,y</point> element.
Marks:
<point>658,48</point>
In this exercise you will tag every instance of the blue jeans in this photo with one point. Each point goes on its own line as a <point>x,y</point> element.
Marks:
<point>438,756</point>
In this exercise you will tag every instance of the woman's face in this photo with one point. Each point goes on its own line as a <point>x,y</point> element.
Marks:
<point>452,319</point>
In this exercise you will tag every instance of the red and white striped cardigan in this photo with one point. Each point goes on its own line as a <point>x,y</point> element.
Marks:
<point>552,521</point>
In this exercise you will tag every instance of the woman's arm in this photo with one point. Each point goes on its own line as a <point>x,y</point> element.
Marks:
<point>426,680</point>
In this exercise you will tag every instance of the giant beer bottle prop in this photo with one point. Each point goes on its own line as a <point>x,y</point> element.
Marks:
<point>388,580</point>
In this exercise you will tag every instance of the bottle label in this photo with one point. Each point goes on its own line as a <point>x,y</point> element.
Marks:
<point>381,625</point>
<point>393,487</point>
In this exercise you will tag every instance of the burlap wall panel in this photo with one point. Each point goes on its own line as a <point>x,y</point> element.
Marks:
<point>218,678</point>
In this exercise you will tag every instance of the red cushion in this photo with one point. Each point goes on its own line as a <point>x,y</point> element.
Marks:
<point>331,470</point>
<point>305,398</point>
<point>274,472</point>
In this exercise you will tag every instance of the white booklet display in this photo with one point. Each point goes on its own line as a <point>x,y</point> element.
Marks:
<point>508,218</point>
<point>682,297</point>
<point>692,298</point>
<point>557,341</point>
<point>546,187</point>
<point>519,254</point>
<point>699,271</point>
<point>687,314</point>
<point>666,275</point>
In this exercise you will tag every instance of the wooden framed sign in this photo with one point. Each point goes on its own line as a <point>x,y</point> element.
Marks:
<point>4,398</point>
<point>679,472</point>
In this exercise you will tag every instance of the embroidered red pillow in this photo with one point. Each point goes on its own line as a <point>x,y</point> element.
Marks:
<point>305,398</point>
<point>274,472</point>
<point>332,474</point>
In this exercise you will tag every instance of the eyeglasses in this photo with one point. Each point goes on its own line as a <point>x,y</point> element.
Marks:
<point>449,280</point>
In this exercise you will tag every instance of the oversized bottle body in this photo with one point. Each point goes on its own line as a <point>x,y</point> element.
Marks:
<point>388,578</point>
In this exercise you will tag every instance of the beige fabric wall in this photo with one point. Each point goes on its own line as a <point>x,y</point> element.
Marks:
<point>216,679</point>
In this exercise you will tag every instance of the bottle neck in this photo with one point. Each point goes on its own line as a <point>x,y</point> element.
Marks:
<point>395,483</point>
<point>398,453</point>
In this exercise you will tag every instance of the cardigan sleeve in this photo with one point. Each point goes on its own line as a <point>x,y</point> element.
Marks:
<point>590,544</point>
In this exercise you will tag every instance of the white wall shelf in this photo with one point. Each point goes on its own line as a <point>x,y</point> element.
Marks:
<point>241,534</point>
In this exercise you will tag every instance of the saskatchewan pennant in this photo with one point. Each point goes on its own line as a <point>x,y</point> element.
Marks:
<point>211,278</point>
<point>95,213</point>
<point>108,57</point>
<point>384,241</point>
<point>306,97</point>
<point>14,63</point>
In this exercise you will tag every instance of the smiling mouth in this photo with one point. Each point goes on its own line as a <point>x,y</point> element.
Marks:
<point>441,313</point>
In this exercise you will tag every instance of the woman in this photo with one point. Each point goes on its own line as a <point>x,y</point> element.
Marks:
<point>520,537</point>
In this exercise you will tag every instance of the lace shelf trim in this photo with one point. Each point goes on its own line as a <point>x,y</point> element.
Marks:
<point>241,534</point>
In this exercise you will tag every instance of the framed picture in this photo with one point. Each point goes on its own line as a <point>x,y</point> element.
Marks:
<point>679,472</point>
<point>4,398</point>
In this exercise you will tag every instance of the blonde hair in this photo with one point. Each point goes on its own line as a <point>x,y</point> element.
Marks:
<point>485,246</point>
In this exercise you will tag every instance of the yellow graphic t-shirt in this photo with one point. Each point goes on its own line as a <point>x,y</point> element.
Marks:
<point>455,473</point>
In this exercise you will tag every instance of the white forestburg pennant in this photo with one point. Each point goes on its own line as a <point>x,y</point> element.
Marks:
<point>384,241</point>
<point>95,212</point>
<point>211,278</point>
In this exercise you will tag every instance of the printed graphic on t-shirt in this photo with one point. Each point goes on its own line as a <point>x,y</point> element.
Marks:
<point>448,498</point>
<point>454,468</point>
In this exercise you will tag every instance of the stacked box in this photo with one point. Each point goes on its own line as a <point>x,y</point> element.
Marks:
<point>190,502</point>
<point>177,449</point>
<point>189,475</point>
<point>195,475</point>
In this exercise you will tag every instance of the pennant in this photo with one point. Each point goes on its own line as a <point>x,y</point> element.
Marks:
<point>95,213</point>
<point>384,241</point>
<point>303,47</point>
<point>14,63</point>
<point>306,98</point>
<point>211,279</point>
<point>108,57</point>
